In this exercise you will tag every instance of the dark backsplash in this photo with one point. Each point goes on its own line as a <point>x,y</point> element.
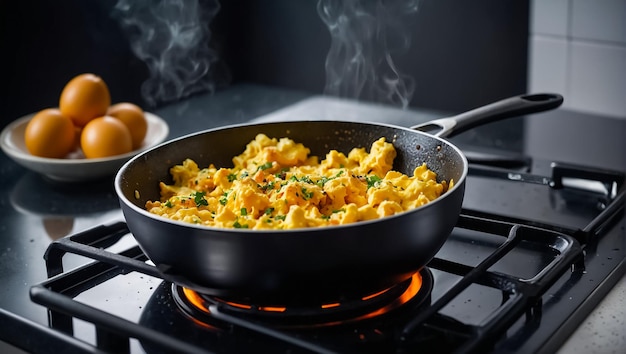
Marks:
<point>462,54</point>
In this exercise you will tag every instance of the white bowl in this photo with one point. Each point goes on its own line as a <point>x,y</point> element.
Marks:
<point>75,167</point>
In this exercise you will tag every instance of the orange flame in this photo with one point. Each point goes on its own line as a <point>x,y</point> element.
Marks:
<point>416,283</point>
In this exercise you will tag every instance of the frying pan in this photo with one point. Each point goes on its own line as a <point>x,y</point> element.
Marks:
<point>313,264</point>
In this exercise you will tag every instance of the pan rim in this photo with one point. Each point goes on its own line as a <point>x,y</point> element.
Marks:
<point>143,212</point>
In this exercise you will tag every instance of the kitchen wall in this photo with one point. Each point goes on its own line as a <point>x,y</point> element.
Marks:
<point>462,54</point>
<point>578,48</point>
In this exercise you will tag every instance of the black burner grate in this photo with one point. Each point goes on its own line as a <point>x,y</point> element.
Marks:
<point>519,296</point>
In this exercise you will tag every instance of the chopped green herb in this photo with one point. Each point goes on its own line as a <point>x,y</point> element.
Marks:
<point>231,177</point>
<point>168,204</point>
<point>373,181</point>
<point>244,174</point>
<point>306,194</point>
<point>320,182</point>
<point>244,211</point>
<point>264,166</point>
<point>268,211</point>
<point>280,217</point>
<point>237,225</point>
<point>305,179</point>
<point>283,173</point>
<point>198,198</point>
<point>268,186</point>
<point>224,198</point>
<point>339,210</point>
<point>325,217</point>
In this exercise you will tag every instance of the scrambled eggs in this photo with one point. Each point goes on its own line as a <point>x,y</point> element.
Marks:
<point>275,184</point>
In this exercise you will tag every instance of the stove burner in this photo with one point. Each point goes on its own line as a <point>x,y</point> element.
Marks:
<point>413,292</point>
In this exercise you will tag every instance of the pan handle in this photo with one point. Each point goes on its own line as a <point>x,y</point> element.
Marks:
<point>506,108</point>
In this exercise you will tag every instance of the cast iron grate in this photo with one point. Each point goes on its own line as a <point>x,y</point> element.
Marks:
<point>576,180</point>
<point>520,296</point>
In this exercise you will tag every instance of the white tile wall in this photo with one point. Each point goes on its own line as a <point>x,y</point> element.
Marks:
<point>598,78</point>
<point>550,17</point>
<point>549,65</point>
<point>578,48</point>
<point>601,20</point>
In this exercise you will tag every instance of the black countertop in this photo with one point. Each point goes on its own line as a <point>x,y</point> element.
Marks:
<point>35,210</point>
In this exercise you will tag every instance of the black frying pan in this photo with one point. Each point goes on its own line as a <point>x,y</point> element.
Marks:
<point>314,264</point>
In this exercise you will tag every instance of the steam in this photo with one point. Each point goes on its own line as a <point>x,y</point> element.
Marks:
<point>365,35</point>
<point>172,37</point>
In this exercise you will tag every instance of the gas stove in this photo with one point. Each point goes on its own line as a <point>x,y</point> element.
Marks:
<point>473,296</point>
<point>539,242</point>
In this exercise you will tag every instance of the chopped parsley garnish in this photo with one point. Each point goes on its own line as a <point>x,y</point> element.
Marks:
<point>339,210</point>
<point>244,211</point>
<point>198,198</point>
<point>268,211</point>
<point>264,166</point>
<point>306,194</point>
<point>237,225</point>
<point>224,198</point>
<point>231,177</point>
<point>320,182</point>
<point>280,217</point>
<point>268,186</point>
<point>244,174</point>
<point>372,181</point>
<point>305,179</point>
<point>283,173</point>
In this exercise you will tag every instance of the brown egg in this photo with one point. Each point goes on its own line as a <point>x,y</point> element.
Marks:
<point>105,136</point>
<point>50,134</point>
<point>84,98</point>
<point>134,118</point>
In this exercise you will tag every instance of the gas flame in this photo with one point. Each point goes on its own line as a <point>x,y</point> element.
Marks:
<point>365,35</point>
<point>407,295</point>
<point>172,37</point>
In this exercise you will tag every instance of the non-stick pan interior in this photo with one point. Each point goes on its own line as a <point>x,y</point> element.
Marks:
<point>218,147</point>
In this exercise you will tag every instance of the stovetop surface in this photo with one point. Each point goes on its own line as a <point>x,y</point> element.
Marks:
<point>37,211</point>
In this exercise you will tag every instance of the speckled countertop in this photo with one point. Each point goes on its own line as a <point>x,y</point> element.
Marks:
<point>604,330</point>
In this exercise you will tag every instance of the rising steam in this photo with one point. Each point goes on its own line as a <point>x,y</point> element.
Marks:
<point>172,37</point>
<point>365,35</point>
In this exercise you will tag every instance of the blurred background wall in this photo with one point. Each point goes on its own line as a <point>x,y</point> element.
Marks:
<point>461,54</point>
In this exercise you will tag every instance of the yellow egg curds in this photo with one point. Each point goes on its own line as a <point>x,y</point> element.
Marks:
<point>275,184</point>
